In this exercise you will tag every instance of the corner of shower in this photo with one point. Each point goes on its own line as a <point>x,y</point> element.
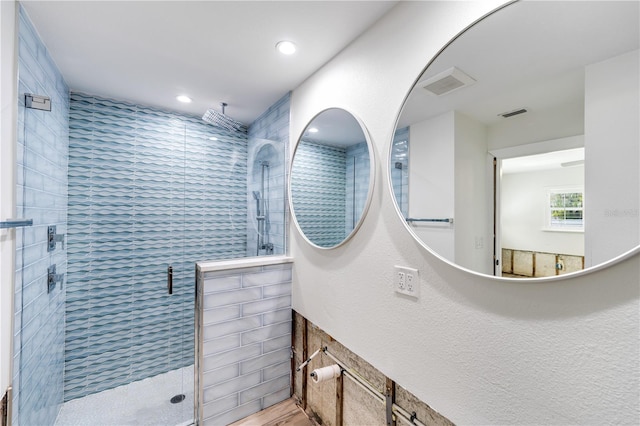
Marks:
<point>266,198</point>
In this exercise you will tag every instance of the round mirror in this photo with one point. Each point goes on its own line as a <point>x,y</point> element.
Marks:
<point>331,179</point>
<point>517,153</point>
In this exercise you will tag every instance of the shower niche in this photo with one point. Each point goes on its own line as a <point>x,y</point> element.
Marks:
<point>266,177</point>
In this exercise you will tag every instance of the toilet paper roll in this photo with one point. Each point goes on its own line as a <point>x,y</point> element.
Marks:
<point>325,373</point>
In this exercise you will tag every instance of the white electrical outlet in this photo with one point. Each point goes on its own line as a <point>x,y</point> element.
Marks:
<point>407,281</point>
<point>401,280</point>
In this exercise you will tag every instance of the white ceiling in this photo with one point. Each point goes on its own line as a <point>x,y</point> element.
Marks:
<point>546,161</point>
<point>213,51</point>
<point>530,54</point>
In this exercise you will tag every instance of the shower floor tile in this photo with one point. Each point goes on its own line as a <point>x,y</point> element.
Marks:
<point>145,402</point>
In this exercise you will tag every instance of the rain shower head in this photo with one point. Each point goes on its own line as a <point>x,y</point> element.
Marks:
<point>224,121</point>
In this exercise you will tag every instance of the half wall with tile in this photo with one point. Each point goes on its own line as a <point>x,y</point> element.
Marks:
<point>243,337</point>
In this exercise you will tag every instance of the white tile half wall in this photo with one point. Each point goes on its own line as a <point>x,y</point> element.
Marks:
<point>243,337</point>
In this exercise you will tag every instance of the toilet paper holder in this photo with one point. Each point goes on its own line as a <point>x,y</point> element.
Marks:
<point>304,364</point>
<point>327,373</point>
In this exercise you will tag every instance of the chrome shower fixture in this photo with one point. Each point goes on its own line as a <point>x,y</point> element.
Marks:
<point>224,121</point>
<point>37,102</point>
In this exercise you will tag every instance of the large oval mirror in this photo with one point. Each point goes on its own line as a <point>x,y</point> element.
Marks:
<point>331,178</point>
<point>517,152</point>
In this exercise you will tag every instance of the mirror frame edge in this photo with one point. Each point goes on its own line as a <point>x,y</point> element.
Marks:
<point>372,181</point>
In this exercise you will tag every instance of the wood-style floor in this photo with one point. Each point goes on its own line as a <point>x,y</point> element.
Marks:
<point>286,413</point>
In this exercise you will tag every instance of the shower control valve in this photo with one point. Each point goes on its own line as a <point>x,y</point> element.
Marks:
<point>54,238</point>
<point>53,278</point>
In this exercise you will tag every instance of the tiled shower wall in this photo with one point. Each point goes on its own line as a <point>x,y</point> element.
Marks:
<point>272,127</point>
<point>245,332</point>
<point>41,195</point>
<point>323,190</point>
<point>319,191</point>
<point>147,189</point>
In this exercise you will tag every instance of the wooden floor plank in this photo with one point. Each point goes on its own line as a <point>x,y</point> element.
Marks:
<point>286,413</point>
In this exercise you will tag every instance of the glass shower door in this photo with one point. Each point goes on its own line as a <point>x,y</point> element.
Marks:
<point>125,333</point>
<point>41,261</point>
<point>159,235</point>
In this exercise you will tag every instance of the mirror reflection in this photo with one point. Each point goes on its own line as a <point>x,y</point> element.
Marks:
<point>517,152</point>
<point>331,178</point>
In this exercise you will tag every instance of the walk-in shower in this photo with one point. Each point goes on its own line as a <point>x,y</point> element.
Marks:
<point>149,194</point>
<point>124,200</point>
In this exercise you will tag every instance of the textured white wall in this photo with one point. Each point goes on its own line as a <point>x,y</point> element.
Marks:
<point>431,180</point>
<point>473,188</point>
<point>478,350</point>
<point>612,156</point>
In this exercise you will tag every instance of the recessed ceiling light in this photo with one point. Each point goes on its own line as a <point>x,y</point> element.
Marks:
<point>213,138</point>
<point>286,47</point>
<point>313,130</point>
<point>183,98</point>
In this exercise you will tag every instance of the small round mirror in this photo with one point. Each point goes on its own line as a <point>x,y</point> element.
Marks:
<point>332,178</point>
<point>516,153</point>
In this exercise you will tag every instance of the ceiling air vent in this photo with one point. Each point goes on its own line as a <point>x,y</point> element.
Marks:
<point>446,82</point>
<point>512,113</point>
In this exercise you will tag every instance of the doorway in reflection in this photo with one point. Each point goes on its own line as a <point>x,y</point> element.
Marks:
<point>540,203</point>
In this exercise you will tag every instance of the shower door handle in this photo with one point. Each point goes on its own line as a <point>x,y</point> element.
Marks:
<point>170,279</point>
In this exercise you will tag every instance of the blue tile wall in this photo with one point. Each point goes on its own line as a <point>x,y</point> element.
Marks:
<point>357,183</point>
<point>400,169</point>
<point>147,189</point>
<point>273,124</point>
<point>318,191</point>
<point>41,195</point>
<point>330,192</point>
<point>269,140</point>
<point>246,341</point>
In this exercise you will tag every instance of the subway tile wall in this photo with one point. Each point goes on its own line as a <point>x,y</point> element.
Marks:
<point>41,195</point>
<point>148,189</point>
<point>245,334</point>
<point>269,140</point>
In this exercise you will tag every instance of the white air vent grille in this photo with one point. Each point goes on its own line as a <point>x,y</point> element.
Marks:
<point>512,113</point>
<point>446,82</point>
